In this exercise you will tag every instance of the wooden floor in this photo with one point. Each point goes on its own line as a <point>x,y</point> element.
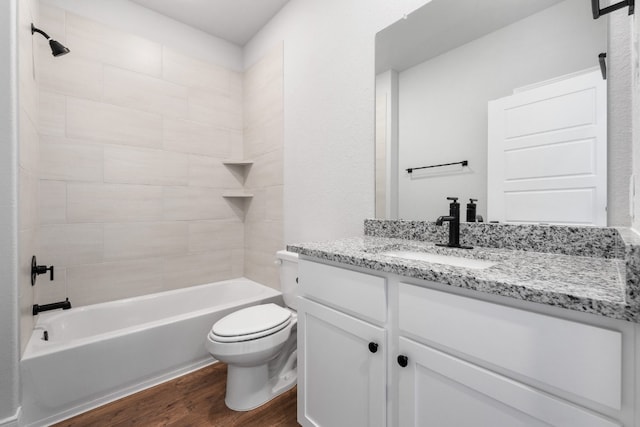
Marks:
<point>196,399</point>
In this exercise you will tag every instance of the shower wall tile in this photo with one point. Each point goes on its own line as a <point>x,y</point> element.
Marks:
<point>100,43</point>
<point>29,143</point>
<point>54,20</point>
<point>274,209</point>
<point>237,263</point>
<point>95,121</point>
<point>144,240</point>
<point>210,172</point>
<point>264,137</point>
<point>192,137</point>
<point>129,172</point>
<point>94,283</point>
<point>27,199</point>
<point>216,235</point>
<point>195,203</point>
<point>267,170</point>
<point>211,106</point>
<point>88,202</point>
<point>196,269</point>
<point>53,109</point>
<point>142,166</point>
<point>135,90</point>
<point>194,73</point>
<point>72,76</point>
<point>53,202</point>
<point>65,245</point>
<point>263,143</point>
<point>61,159</point>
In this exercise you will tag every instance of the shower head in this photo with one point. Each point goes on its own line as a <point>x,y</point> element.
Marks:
<point>57,48</point>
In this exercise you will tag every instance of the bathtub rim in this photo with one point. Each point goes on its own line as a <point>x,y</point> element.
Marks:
<point>37,347</point>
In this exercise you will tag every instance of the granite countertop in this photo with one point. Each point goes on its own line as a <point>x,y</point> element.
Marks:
<point>590,284</point>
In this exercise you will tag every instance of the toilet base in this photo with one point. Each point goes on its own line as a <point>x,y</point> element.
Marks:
<point>251,387</point>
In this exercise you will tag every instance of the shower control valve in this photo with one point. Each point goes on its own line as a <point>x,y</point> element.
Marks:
<point>36,270</point>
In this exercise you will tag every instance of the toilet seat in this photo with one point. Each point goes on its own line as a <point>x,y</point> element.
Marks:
<point>250,323</point>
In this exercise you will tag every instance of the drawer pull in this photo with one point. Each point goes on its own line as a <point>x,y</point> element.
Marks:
<point>403,360</point>
<point>373,347</point>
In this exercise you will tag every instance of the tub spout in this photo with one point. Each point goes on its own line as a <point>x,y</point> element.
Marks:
<point>65,305</point>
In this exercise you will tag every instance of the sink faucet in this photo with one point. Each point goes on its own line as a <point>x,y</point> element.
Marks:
<point>454,225</point>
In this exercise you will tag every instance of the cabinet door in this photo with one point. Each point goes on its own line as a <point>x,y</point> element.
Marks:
<point>341,377</point>
<point>436,389</point>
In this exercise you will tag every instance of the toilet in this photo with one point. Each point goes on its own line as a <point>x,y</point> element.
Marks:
<point>258,344</point>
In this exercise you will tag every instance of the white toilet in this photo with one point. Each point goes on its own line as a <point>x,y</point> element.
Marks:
<point>258,344</point>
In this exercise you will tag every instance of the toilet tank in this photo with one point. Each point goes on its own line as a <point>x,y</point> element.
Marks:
<point>289,277</point>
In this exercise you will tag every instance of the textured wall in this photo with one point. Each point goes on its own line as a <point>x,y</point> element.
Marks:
<point>329,110</point>
<point>132,139</point>
<point>9,313</point>
<point>619,85</point>
<point>636,118</point>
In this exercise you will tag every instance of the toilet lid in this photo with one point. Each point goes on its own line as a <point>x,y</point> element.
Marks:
<point>252,322</point>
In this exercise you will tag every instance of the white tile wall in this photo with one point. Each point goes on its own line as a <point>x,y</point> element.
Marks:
<point>101,122</point>
<point>263,116</point>
<point>132,140</point>
<point>139,91</point>
<point>97,42</point>
<point>97,202</point>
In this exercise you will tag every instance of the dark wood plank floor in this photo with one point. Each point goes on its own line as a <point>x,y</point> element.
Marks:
<point>196,399</point>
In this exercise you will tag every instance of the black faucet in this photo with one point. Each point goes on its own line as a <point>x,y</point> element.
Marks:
<point>454,225</point>
<point>65,305</point>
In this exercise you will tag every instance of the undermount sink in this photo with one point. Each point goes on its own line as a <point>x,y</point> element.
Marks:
<point>453,261</point>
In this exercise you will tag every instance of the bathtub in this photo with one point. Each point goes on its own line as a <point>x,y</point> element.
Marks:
<point>99,353</point>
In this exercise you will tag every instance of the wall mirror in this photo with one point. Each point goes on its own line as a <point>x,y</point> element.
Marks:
<point>437,72</point>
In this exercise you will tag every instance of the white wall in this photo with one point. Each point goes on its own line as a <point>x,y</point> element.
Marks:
<point>443,101</point>
<point>9,323</point>
<point>329,110</point>
<point>132,18</point>
<point>636,118</point>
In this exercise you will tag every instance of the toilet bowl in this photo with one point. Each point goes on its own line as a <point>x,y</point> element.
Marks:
<point>259,344</point>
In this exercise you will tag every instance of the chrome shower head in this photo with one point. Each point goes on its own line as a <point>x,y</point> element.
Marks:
<point>57,48</point>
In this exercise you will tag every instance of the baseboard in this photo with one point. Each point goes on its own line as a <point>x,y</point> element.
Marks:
<point>87,406</point>
<point>12,421</point>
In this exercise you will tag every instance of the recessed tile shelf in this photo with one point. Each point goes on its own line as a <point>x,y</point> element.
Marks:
<point>238,162</point>
<point>237,194</point>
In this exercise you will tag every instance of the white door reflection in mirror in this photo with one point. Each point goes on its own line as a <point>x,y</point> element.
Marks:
<point>547,153</point>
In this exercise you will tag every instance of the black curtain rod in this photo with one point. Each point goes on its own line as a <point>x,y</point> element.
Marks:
<point>463,163</point>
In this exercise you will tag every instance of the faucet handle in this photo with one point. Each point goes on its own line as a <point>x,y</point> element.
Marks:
<point>454,199</point>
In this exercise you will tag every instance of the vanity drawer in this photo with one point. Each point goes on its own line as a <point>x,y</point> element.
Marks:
<point>574,357</point>
<point>360,294</point>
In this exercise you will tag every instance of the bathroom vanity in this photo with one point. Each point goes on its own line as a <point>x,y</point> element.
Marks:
<point>524,338</point>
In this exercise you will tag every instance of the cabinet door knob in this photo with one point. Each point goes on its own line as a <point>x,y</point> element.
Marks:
<point>403,360</point>
<point>373,347</point>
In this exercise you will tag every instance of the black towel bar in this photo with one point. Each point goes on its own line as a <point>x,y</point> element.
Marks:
<point>463,163</point>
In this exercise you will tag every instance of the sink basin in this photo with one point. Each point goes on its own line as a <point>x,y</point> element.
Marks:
<point>453,261</point>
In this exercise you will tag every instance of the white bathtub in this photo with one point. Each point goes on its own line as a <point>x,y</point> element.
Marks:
<point>99,353</point>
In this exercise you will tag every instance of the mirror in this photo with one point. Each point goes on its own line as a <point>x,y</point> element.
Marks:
<point>436,72</point>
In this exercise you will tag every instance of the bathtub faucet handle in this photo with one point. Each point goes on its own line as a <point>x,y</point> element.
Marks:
<point>39,269</point>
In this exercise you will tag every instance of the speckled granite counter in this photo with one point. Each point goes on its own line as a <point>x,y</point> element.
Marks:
<point>606,285</point>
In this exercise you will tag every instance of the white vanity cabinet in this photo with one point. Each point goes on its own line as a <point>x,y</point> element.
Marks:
<point>449,360</point>
<point>438,388</point>
<point>341,358</point>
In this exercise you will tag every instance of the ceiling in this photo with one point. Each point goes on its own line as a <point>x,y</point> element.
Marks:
<point>233,20</point>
